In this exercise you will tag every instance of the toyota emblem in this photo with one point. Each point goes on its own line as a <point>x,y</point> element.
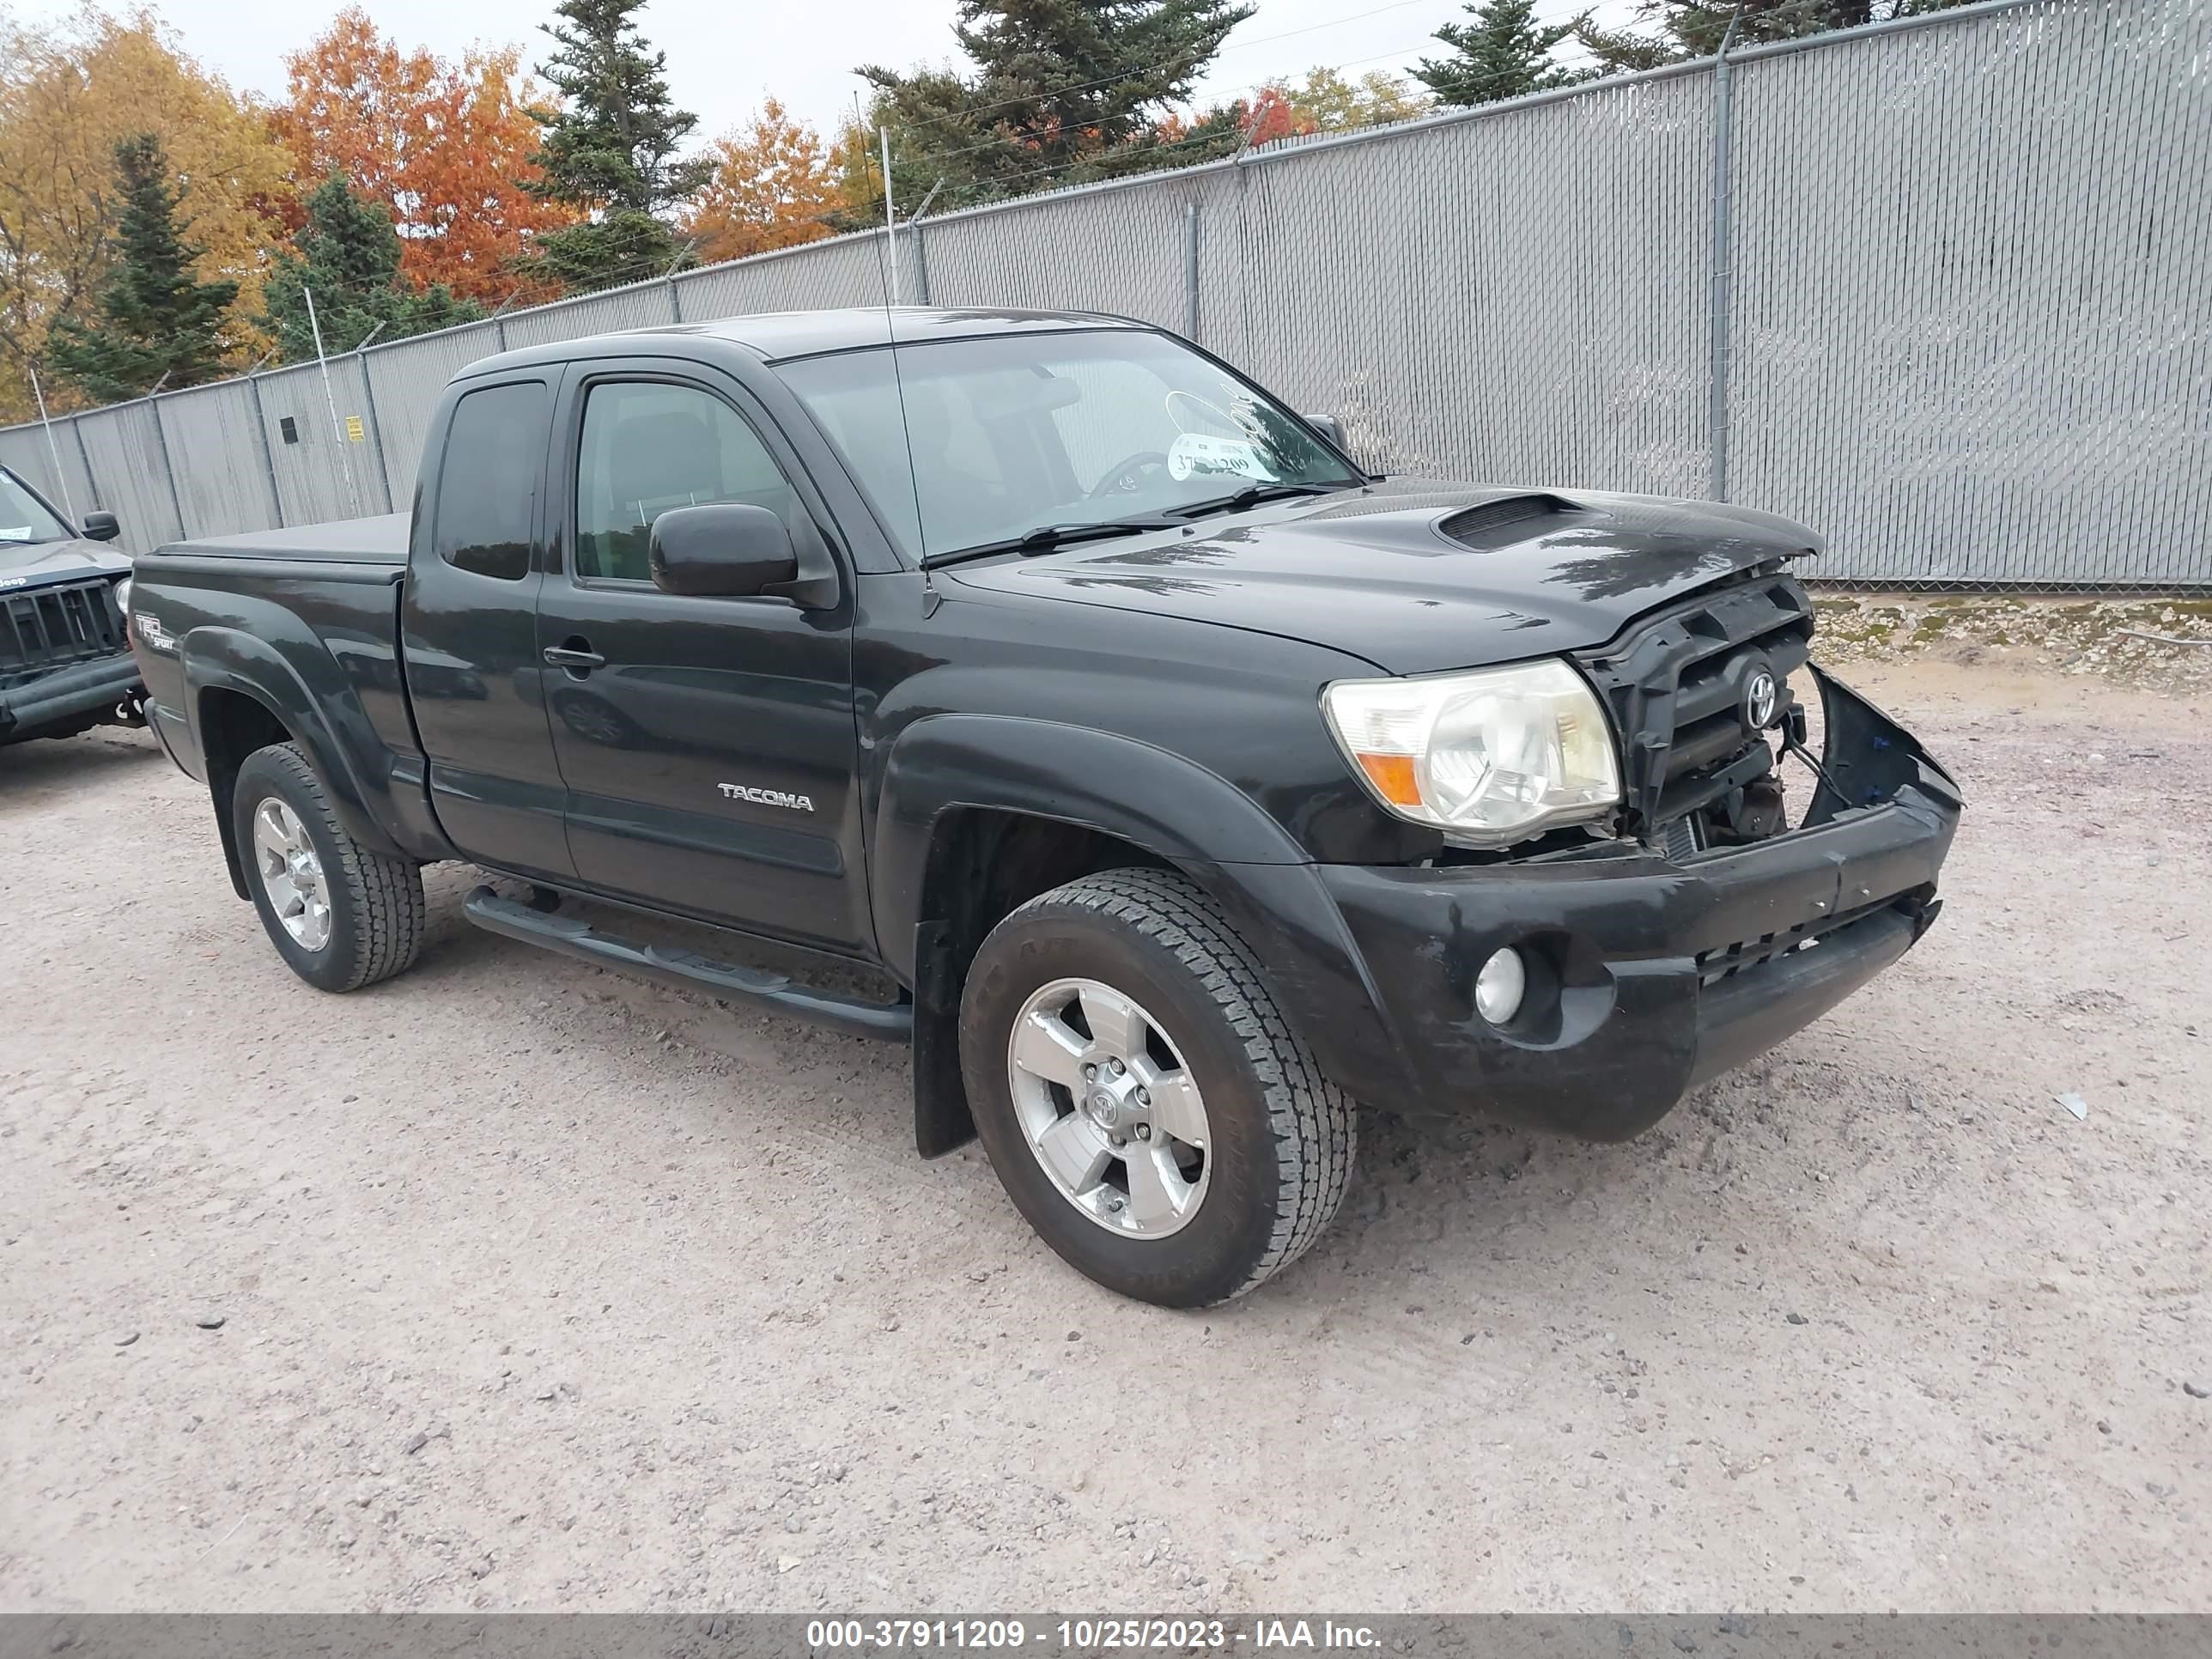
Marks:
<point>1760,695</point>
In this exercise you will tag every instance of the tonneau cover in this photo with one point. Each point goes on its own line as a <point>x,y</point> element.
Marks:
<point>350,541</point>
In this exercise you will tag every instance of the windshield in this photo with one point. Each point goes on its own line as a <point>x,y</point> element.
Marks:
<point>23,517</point>
<point>1012,432</point>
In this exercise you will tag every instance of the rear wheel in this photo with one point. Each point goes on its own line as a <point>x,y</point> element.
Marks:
<point>340,914</point>
<point>1143,1101</point>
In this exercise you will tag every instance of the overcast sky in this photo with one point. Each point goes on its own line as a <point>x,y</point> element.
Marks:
<point>725,56</point>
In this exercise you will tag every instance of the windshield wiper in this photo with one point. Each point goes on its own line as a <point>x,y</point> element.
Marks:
<point>1046,537</point>
<point>1253,494</point>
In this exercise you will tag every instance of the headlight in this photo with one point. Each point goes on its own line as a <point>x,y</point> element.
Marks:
<point>1490,756</point>
<point>123,598</point>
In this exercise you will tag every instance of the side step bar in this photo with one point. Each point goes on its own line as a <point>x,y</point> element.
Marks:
<point>889,1022</point>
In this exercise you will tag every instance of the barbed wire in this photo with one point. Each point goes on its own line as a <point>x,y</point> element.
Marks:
<point>1181,59</point>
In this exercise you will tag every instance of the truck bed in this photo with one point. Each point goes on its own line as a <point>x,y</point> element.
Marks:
<point>378,541</point>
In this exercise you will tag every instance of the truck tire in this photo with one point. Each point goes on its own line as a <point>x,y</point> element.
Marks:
<point>1143,1100</point>
<point>340,914</point>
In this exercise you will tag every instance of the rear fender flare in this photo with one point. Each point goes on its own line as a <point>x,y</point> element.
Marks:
<point>230,660</point>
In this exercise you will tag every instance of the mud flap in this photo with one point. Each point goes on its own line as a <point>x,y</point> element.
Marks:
<point>942,1120</point>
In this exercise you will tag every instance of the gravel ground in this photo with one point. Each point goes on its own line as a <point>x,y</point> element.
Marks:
<point>538,1288</point>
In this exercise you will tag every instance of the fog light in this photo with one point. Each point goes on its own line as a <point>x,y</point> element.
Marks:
<point>1500,985</point>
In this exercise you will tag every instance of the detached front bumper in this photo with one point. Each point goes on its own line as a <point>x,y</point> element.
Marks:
<point>63,697</point>
<point>1650,976</point>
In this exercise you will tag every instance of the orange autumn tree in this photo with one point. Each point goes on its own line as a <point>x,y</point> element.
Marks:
<point>73,88</point>
<point>444,147</point>
<point>776,185</point>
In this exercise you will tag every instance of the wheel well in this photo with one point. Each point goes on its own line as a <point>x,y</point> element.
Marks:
<point>232,726</point>
<point>983,863</point>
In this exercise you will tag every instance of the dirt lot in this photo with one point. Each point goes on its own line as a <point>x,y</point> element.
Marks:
<point>542,1289</point>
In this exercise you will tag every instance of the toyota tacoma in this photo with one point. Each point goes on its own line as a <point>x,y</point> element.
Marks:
<point>1183,782</point>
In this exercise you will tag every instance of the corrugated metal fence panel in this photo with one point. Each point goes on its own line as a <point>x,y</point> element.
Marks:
<point>1971,311</point>
<point>847,271</point>
<point>126,459</point>
<point>215,450</point>
<point>319,476</point>
<point>349,377</point>
<point>1517,296</point>
<point>644,305</point>
<point>1118,250</point>
<point>406,378</point>
<point>82,494</point>
<point>1973,296</point>
<point>23,451</point>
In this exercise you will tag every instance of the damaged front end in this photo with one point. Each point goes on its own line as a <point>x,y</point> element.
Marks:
<point>1705,928</point>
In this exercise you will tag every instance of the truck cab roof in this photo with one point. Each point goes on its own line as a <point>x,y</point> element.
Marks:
<point>776,336</point>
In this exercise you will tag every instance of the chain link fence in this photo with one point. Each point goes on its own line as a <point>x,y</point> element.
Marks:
<point>1941,288</point>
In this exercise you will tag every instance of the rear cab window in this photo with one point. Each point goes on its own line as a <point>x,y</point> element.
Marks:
<point>487,481</point>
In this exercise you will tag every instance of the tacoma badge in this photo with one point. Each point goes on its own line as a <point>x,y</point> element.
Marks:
<point>766,797</point>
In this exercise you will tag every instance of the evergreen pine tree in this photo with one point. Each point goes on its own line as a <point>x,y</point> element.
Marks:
<point>156,326</point>
<point>1503,52</point>
<point>1681,29</point>
<point>611,149</point>
<point>1065,90</point>
<point>348,254</point>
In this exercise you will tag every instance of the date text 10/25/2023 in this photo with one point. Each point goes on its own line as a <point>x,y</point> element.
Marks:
<point>1087,1635</point>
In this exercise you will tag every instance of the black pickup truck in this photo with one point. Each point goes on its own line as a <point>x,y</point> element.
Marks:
<point>1188,782</point>
<point>65,664</point>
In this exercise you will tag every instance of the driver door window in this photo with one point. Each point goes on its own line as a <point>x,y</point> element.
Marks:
<point>648,446</point>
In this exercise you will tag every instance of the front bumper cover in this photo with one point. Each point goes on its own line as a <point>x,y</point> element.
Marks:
<point>1650,976</point>
<point>65,696</point>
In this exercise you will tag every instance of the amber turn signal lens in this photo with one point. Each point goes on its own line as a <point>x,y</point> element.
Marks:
<point>1393,778</point>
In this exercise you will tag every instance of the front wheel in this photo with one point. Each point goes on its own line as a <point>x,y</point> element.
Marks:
<point>1144,1103</point>
<point>342,916</point>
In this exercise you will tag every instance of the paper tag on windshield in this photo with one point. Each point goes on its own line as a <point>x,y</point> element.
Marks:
<point>1196,455</point>
<point>15,532</point>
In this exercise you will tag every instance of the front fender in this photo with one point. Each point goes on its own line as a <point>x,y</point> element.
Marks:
<point>1170,806</point>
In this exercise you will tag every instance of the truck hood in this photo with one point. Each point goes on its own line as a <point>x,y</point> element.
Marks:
<point>32,565</point>
<point>1417,576</point>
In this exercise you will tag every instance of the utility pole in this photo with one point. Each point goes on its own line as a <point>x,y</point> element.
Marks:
<point>60,476</point>
<point>330,401</point>
<point>891,235</point>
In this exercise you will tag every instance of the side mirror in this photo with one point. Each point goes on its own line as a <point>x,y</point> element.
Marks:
<point>725,549</point>
<point>99,527</point>
<point>1331,429</point>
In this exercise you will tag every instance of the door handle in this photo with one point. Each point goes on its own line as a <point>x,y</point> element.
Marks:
<point>575,655</point>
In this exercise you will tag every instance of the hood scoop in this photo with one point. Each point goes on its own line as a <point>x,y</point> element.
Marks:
<point>1489,525</point>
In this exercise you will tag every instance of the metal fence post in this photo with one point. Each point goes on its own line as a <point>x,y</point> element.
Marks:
<point>91,478</point>
<point>1717,394</point>
<point>675,299</point>
<point>1190,268</point>
<point>268,455</point>
<point>921,258</point>
<point>375,429</point>
<point>162,443</point>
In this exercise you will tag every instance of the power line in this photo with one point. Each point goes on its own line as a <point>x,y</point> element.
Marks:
<point>1183,59</point>
<point>936,156</point>
<point>1254,87</point>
